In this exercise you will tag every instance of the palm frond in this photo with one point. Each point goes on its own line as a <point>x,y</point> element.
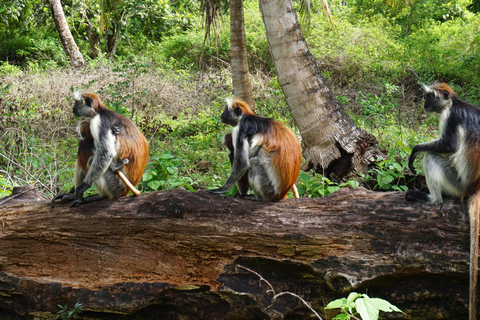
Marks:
<point>306,10</point>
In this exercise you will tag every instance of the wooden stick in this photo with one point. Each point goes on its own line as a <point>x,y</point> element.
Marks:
<point>128,183</point>
<point>295,192</point>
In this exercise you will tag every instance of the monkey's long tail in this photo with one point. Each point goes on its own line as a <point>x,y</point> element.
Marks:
<point>474,213</point>
<point>128,183</point>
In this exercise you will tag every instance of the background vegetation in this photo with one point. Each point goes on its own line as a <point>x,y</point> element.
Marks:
<point>157,77</point>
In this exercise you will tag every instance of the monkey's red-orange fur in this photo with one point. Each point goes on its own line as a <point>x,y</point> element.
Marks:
<point>132,144</point>
<point>85,145</point>
<point>238,103</point>
<point>440,86</point>
<point>283,144</point>
<point>284,148</point>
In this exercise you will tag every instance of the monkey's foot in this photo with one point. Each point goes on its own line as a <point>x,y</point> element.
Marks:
<point>250,197</point>
<point>64,197</point>
<point>415,195</point>
<point>92,198</point>
<point>217,191</point>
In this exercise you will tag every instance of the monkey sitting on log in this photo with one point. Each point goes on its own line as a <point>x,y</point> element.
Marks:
<point>265,155</point>
<point>116,141</point>
<point>452,164</point>
<point>86,149</point>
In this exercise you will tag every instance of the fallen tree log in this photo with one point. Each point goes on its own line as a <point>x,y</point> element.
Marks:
<point>173,254</point>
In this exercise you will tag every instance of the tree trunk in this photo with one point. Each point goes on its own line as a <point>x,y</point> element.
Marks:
<point>242,86</point>
<point>332,144</point>
<point>93,40</point>
<point>68,43</point>
<point>112,40</point>
<point>176,254</point>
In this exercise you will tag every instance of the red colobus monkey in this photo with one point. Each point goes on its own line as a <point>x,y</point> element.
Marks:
<point>265,154</point>
<point>452,164</point>
<point>111,146</point>
<point>86,149</point>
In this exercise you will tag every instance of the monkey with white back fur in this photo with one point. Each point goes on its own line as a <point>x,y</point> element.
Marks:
<point>86,149</point>
<point>128,147</point>
<point>452,164</point>
<point>265,155</point>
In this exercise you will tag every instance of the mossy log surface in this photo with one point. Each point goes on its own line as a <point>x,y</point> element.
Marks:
<point>175,255</point>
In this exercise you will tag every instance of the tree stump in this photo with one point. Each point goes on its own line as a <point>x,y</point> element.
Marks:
<point>174,255</point>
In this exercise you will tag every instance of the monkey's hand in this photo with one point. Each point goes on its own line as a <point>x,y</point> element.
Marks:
<point>80,190</point>
<point>64,197</point>
<point>116,130</point>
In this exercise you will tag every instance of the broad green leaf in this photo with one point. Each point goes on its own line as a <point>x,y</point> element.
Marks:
<point>398,167</point>
<point>353,183</point>
<point>366,309</point>
<point>383,305</point>
<point>341,316</point>
<point>305,177</point>
<point>154,184</point>
<point>167,156</point>
<point>147,176</point>
<point>352,297</point>
<point>332,189</point>
<point>339,303</point>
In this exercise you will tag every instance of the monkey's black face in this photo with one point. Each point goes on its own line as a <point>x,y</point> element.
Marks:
<point>433,103</point>
<point>230,116</point>
<point>81,109</point>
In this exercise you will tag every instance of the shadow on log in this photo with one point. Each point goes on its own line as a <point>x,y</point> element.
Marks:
<point>173,255</point>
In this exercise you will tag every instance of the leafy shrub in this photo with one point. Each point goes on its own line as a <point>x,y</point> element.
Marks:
<point>40,48</point>
<point>5,187</point>
<point>7,69</point>
<point>66,314</point>
<point>389,175</point>
<point>448,52</point>
<point>163,173</point>
<point>361,304</point>
<point>320,186</point>
<point>354,54</point>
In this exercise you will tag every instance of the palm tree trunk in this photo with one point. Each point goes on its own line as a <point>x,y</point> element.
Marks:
<point>332,143</point>
<point>242,86</point>
<point>68,43</point>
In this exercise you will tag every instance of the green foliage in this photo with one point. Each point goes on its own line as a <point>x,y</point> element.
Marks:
<point>390,173</point>
<point>164,173</point>
<point>38,48</point>
<point>6,69</point>
<point>355,54</point>
<point>66,314</point>
<point>5,187</point>
<point>361,304</point>
<point>371,104</point>
<point>320,186</point>
<point>123,92</point>
<point>173,48</point>
<point>409,13</point>
<point>449,52</point>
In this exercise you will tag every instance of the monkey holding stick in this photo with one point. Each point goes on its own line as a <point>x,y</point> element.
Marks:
<point>112,154</point>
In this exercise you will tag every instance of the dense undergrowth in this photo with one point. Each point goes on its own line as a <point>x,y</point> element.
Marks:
<point>176,100</point>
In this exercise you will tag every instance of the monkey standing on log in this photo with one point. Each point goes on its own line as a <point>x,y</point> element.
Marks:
<point>118,147</point>
<point>265,155</point>
<point>452,164</point>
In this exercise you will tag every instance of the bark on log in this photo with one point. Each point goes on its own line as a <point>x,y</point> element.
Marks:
<point>173,255</point>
